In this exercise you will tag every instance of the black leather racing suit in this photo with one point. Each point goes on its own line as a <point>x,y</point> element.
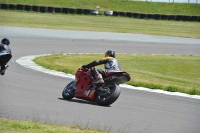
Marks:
<point>5,55</point>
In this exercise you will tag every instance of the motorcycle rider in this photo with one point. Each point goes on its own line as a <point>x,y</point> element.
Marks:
<point>110,64</point>
<point>4,59</point>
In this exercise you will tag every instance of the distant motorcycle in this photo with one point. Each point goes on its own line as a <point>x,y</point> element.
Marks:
<point>5,56</point>
<point>83,87</point>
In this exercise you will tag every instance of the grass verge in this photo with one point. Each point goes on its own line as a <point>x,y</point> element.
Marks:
<point>118,5</point>
<point>19,126</point>
<point>166,72</point>
<point>100,23</point>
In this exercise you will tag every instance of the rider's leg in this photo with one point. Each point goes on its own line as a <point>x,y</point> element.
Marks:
<point>3,61</point>
<point>102,72</point>
<point>3,68</point>
<point>98,73</point>
<point>97,76</point>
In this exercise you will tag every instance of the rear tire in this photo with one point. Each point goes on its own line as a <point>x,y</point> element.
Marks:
<point>109,98</point>
<point>69,91</point>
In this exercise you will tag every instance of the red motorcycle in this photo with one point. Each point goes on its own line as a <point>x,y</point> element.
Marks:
<point>84,88</point>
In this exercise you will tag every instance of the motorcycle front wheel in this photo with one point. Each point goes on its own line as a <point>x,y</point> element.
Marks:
<point>69,91</point>
<point>110,97</point>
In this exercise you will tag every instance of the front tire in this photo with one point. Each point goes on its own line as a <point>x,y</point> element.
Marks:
<point>69,91</point>
<point>109,98</point>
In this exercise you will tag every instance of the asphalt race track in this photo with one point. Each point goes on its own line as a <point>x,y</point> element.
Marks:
<point>31,95</point>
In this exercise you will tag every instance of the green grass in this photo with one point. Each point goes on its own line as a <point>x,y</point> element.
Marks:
<point>17,126</point>
<point>165,72</point>
<point>100,23</point>
<point>118,5</point>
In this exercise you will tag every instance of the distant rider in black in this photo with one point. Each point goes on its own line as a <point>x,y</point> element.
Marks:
<point>4,47</point>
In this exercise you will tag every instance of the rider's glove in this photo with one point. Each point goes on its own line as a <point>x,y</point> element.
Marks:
<point>84,66</point>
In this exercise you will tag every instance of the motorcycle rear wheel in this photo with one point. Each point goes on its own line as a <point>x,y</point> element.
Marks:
<point>109,98</point>
<point>69,91</point>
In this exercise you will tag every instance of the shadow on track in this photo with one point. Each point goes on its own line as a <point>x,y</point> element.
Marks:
<point>81,101</point>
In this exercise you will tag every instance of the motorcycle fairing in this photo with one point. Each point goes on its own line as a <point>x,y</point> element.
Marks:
<point>83,80</point>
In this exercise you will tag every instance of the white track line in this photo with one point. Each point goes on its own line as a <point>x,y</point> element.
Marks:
<point>27,62</point>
